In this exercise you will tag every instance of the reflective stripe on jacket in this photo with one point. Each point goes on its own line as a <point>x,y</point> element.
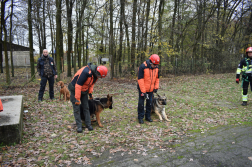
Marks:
<point>242,67</point>
<point>148,78</point>
<point>83,80</point>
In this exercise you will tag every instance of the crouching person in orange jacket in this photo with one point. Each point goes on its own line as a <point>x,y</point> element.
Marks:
<point>80,87</point>
<point>148,82</point>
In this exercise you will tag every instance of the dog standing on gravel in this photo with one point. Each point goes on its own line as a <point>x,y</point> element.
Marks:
<point>158,106</point>
<point>63,91</point>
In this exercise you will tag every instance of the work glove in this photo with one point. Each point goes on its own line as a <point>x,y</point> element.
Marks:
<point>155,90</point>
<point>237,80</point>
<point>77,102</point>
<point>146,96</point>
<point>90,96</point>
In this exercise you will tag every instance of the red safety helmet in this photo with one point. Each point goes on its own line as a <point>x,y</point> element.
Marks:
<point>249,49</point>
<point>102,70</point>
<point>155,59</point>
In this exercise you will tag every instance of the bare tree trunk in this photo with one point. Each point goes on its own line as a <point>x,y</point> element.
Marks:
<point>39,27</point>
<point>79,47</point>
<point>142,49</point>
<point>50,16</point>
<point>44,28</point>
<point>11,52</point>
<point>121,37</point>
<point>76,38</point>
<point>79,20</point>
<point>146,25</point>
<point>8,81</point>
<point>69,5</point>
<point>133,45</point>
<point>171,42</point>
<point>31,39</point>
<point>61,50</point>
<point>127,35</point>
<point>111,38</point>
<point>87,46</point>
<point>160,15</point>
<point>152,24</point>
<point>58,37</point>
<point>248,30</point>
<point>216,52</point>
<point>84,63</point>
<point>138,40</point>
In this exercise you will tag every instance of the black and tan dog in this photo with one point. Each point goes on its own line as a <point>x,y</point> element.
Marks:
<point>96,106</point>
<point>158,106</point>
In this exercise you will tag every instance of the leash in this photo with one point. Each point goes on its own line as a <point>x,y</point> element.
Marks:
<point>157,94</point>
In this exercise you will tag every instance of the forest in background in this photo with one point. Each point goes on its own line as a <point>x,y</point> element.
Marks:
<point>190,36</point>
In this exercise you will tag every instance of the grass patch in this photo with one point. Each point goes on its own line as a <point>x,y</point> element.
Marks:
<point>194,104</point>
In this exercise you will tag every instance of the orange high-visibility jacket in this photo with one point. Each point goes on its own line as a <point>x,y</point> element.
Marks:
<point>148,78</point>
<point>1,106</point>
<point>83,80</point>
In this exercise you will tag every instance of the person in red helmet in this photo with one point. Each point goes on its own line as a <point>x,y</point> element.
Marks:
<point>148,82</point>
<point>80,87</point>
<point>245,67</point>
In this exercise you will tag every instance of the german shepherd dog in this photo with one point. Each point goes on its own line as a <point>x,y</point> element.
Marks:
<point>96,106</point>
<point>158,106</point>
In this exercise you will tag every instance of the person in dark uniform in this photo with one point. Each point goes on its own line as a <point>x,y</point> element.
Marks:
<point>47,71</point>
<point>245,67</point>
<point>148,82</point>
<point>80,87</point>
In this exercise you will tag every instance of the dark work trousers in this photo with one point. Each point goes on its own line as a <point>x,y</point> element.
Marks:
<point>245,85</point>
<point>43,85</point>
<point>140,108</point>
<point>76,108</point>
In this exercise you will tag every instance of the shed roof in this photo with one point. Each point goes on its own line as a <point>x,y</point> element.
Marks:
<point>15,47</point>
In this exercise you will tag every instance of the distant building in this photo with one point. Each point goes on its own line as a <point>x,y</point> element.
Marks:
<point>21,55</point>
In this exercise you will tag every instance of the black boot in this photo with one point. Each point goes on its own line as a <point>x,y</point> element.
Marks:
<point>149,119</point>
<point>141,121</point>
<point>90,127</point>
<point>79,130</point>
<point>244,103</point>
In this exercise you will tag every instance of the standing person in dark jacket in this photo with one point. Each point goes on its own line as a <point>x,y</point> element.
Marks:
<point>47,71</point>
<point>148,82</point>
<point>80,87</point>
<point>245,67</point>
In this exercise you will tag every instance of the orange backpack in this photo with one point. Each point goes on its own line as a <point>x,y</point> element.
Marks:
<point>1,106</point>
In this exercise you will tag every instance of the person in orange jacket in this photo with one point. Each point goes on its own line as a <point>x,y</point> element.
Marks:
<point>1,106</point>
<point>148,82</point>
<point>80,87</point>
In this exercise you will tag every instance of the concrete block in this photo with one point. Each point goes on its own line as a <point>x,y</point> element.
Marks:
<point>11,120</point>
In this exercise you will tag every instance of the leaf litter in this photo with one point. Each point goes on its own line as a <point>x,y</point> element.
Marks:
<point>50,136</point>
